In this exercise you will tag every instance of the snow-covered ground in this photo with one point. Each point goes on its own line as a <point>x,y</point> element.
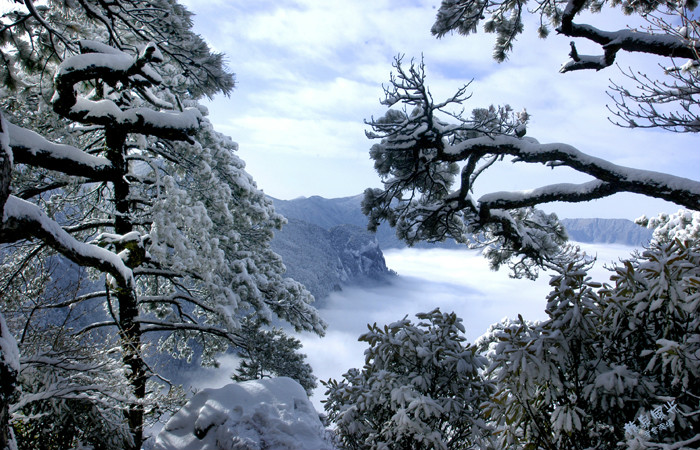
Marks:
<point>261,414</point>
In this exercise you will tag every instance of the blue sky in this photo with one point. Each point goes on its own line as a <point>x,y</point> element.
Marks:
<point>310,71</point>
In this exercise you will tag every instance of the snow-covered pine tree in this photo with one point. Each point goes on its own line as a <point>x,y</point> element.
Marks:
<point>431,159</point>
<point>272,353</point>
<point>420,388</point>
<point>603,371</point>
<point>137,170</point>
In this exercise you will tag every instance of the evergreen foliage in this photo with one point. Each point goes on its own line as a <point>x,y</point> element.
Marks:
<point>272,353</point>
<point>109,160</point>
<point>615,366</point>
<point>420,388</point>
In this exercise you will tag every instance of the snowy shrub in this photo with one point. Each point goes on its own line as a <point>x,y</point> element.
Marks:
<point>269,353</point>
<point>271,414</point>
<point>683,225</point>
<point>420,388</point>
<point>607,355</point>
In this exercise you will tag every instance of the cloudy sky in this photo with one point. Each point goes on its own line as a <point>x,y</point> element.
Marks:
<point>310,71</point>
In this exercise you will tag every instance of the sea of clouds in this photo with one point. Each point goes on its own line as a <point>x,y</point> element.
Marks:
<point>452,280</point>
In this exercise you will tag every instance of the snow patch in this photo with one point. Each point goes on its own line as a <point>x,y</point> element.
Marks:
<point>9,354</point>
<point>253,415</point>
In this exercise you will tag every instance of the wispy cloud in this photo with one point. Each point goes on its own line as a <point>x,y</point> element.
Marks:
<point>310,71</point>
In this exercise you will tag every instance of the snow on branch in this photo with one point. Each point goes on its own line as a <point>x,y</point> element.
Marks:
<point>505,19</point>
<point>113,66</point>
<point>23,219</point>
<point>682,191</point>
<point>29,147</point>
<point>627,40</point>
<point>431,158</point>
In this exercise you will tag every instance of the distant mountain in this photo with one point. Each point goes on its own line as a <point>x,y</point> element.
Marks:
<point>330,212</point>
<point>324,260</point>
<point>324,212</point>
<point>607,231</point>
<point>327,213</point>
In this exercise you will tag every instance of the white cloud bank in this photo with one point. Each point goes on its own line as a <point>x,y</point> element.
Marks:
<point>453,280</point>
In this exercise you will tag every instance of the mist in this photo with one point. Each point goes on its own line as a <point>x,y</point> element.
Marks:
<point>457,281</point>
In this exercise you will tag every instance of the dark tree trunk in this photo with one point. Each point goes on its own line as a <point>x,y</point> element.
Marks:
<point>129,328</point>
<point>8,377</point>
<point>8,386</point>
<point>5,172</point>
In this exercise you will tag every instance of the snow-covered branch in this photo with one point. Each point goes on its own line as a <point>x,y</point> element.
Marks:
<point>626,40</point>
<point>112,66</point>
<point>22,220</point>
<point>505,18</point>
<point>29,147</point>
<point>430,161</point>
<point>612,178</point>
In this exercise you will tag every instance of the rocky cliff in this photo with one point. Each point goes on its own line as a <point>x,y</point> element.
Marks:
<point>324,260</point>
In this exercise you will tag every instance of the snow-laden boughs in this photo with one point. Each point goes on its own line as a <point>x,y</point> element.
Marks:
<point>270,353</point>
<point>42,34</point>
<point>209,222</point>
<point>683,225</point>
<point>141,180</point>
<point>431,158</point>
<point>671,31</point>
<point>420,388</point>
<point>71,393</point>
<point>549,375</point>
<point>606,356</point>
<point>505,19</point>
<point>653,309</point>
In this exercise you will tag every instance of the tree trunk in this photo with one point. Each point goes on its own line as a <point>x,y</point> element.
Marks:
<point>8,385</point>
<point>5,170</point>
<point>129,328</point>
<point>8,376</point>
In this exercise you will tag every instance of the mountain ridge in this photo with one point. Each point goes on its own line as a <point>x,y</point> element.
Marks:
<point>329,212</point>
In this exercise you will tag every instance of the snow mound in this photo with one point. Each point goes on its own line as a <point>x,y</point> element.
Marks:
<point>253,415</point>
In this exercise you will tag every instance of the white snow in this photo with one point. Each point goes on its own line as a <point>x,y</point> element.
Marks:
<point>9,354</point>
<point>117,62</point>
<point>5,140</point>
<point>24,211</point>
<point>38,146</point>
<point>97,111</point>
<point>253,415</point>
<point>530,150</point>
